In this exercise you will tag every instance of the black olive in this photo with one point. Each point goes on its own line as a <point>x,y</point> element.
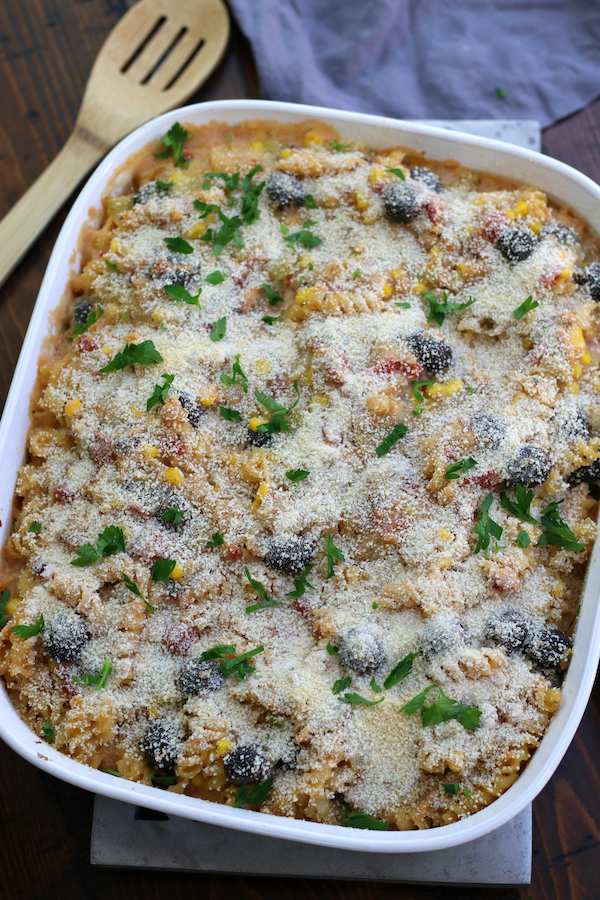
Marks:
<point>509,628</point>
<point>515,244</point>
<point>529,466</point>
<point>259,440</point>
<point>290,554</point>
<point>591,277</point>
<point>433,354</point>
<point>362,651</point>
<point>82,311</point>
<point>562,233</point>
<point>194,410</point>
<point>548,648</point>
<point>160,745</point>
<point>65,637</point>
<point>198,677</point>
<point>571,424</point>
<point>489,429</point>
<point>284,188</point>
<point>428,178</point>
<point>148,192</point>
<point>402,202</point>
<point>585,474</point>
<point>438,638</point>
<point>247,764</point>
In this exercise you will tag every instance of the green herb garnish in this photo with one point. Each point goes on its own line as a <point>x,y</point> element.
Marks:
<point>129,583</point>
<point>260,590</point>
<point>451,788</point>
<point>161,569</point>
<point>443,710</point>
<point>278,421</point>
<point>111,266</point>
<point>301,583</point>
<point>48,731</point>
<point>217,652</point>
<point>230,415</point>
<point>400,671</point>
<point>272,297</point>
<point>486,528</point>
<point>523,539</point>
<point>525,307</point>
<point>437,310</point>
<point>501,93</point>
<point>416,385</point>
<point>173,515</point>
<point>112,772</point>
<point>216,540</point>
<point>374,686</point>
<point>35,527</point>
<point>521,508</point>
<point>309,201</point>
<point>163,781</point>
<point>164,185</point>
<point>144,354</point>
<point>174,140</point>
<point>556,531</point>
<point>375,605</point>
<point>403,305</point>
<point>337,146</point>
<point>99,680</point>
<point>341,684</point>
<point>395,434</point>
<point>357,699</point>
<point>397,172</point>
<point>231,181</point>
<point>161,392</point>
<point>250,210</point>
<point>92,318</point>
<point>3,616</point>
<point>181,295</point>
<point>178,245</point>
<point>27,631</point>
<point>304,237</point>
<point>296,475</point>
<point>362,820</point>
<point>215,277</point>
<point>270,320</point>
<point>331,649</point>
<point>237,376</point>
<point>240,664</point>
<point>112,540</point>
<point>255,796</point>
<point>218,329</point>
<point>333,554</point>
<point>455,470</point>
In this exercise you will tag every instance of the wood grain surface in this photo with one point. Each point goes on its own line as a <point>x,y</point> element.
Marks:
<point>46,51</point>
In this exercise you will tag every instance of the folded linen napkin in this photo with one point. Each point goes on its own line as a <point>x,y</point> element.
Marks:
<point>428,59</point>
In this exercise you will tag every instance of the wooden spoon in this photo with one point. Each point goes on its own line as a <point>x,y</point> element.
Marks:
<point>155,57</point>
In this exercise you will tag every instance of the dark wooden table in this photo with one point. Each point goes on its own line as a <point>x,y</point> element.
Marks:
<point>46,51</point>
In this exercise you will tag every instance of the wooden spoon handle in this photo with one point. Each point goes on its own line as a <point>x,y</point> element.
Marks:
<point>27,219</point>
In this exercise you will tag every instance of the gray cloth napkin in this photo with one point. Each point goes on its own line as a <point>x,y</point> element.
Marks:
<point>428,59</point>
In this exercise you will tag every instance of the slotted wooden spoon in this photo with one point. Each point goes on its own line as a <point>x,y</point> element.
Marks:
<point>156,56</point>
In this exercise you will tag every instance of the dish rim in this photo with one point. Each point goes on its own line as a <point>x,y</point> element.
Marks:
<point>579,680</point>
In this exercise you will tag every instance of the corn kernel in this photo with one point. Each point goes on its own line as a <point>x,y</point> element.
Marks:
<point>136,411</point>
<point>585,359</point>
<point>260,495</point>
<point>445,562</point>
<point>149,451</point>
<point>199,229</point>
<point>174,475</point>
<point>153,710</point>
<point>114,245</point>
<point>305,295</point>
<point>263,366</point>
<point>73,408</point>
<point>445,535</point>
<point>255,421</point>
<point>418,288</point>
<point>258,146</point>
<point>311,137</point>
<point>361,199</point>
<point>11,607</point>
<point>376,176</point>
<point>574,387</point>
<point>444,390</point>
<point>309,376</point>
<point>323,399</point>
<point>285,153</point>
<point>577,370</point>
<point>175,176</point>
<point>224,746</point>
<point>106,350</point>
<point>158,315</point>
<point>386,290</point>
<point>207,399</point>
<point>435,252</point>
<point>177,572</point>
<point>397,273</point>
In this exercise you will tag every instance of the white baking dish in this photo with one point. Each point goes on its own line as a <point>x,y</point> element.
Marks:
<point>557,180</point>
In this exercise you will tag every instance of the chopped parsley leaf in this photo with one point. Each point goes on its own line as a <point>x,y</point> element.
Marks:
<point>111,541</point>
<point>144,354</point>
<point>230,415</point>
<point>250,210</point>
<point>231,181</point>
<point>357,699</point>
<point>163,781</point>
<point>217,652</point>
<point>36,527</point>
<point>523,539</point>
<point>173,515</point>
<point>161,392</point>
<point>337,146</point>
<point>164,185</point>
<point>304,237</point>
<point>455,470</point>
<point>331,649</point>
<point>260,590</point>
<point>237,376</point>
<point>216,540</point>
<point>522,507</point>
<point>112,772</point>
<point>272,297</point>
<point>215,277</point>
<point>573,620</point>
<point>443,710</point>
<point>82,327</point>
<point>356,273</point>
<point>162,568</point>
<point>451,788</point>
<point>416,385</point>
<point>111,266</point>
<point>48,731</point>
<point>99,680</point>
<point>178,245</point>
<point>333,554</point>
<point>400,671</point>
<point>362,820</point>
<point>181,295</point>
<point>556,531</point>
<point>300,584</point>
<point>375,605</point>
<point>374,686</point>
<point>218,329</point>
<point>240,664</point>
<point>174,140</point>
<point>341,684</point>
<point>525,307</point>
<point>3,616</point>
<point>395,434</point>
<point>309,201</point>
<point>129,583</point>
<point>501,93</point>
<point>296,475</point>
<point>486,528</point>
<point>403,305</point>
<point>254,796</point>
<point>437,310</point>
<point>27,631</point>
<point>397,172</point>
<point>270,320</point>
<point>278,421</point>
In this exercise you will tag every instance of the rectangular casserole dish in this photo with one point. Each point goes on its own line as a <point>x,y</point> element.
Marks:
<point>560,182</point>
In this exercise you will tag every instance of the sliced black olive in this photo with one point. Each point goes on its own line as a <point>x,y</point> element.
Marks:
<point>434,354</point>
<point>548,648</point>
<point>402,202</point>
<point>290,554</point>
<point>259,440</point>
<point>82,311</point>
<point>148,192</point>
<point>198,677</point>
<point>194,410</point>
<point>362,651</point>
<point>247,764</point>
<point>585,474</point>
<point>428,178</point>
<point>562,233</point>
<point>438,638</point>
<point>529,466</point>
<point>160,745</point>
<point>591,277</point>
<point>571,424</point>
<point>65,637</point>
<point>284,188</point>
<point>509,628</point>
<point>515,244</point>
<point>489,429</point>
